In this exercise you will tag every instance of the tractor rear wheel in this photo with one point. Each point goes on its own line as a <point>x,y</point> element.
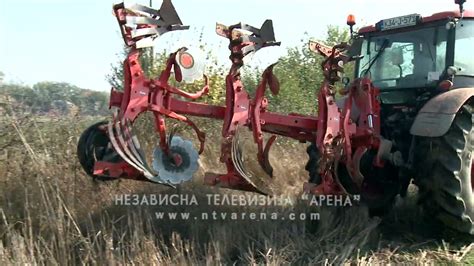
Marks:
<point>445,173</point>
<point>380,185</point>
<point>312,164</point>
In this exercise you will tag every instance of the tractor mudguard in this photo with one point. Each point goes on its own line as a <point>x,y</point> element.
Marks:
<point>436,116</point>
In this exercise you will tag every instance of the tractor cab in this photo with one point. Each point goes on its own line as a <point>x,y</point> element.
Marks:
<point>414,52</point>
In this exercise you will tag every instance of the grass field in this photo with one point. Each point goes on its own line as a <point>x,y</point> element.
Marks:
<point>52,213</point>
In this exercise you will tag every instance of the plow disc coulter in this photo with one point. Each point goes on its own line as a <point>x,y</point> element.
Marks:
<point>369,141</point>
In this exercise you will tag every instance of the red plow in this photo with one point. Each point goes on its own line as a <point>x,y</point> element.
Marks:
<point>175,159</point>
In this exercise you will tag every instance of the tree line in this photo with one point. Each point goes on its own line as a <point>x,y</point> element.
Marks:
<point>57,98</point>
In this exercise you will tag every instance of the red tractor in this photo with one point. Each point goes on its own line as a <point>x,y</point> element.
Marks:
<point>407,115</point>
<point>413,94</point>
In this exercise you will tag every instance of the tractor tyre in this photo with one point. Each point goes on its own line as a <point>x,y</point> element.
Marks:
<point>378,204</point>
<point>92,146</point>
<point>445,173</point>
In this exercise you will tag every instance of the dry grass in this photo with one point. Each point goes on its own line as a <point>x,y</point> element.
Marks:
<point>51,213</point>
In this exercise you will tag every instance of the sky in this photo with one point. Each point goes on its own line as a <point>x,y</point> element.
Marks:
<point>76,41</point>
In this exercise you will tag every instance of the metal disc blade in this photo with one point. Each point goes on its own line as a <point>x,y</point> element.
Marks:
<point>171,170</point>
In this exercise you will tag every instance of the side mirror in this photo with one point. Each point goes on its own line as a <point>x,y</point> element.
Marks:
<point>355,49</point>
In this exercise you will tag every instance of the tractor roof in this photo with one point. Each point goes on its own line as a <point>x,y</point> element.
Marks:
<point>434,17</point>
